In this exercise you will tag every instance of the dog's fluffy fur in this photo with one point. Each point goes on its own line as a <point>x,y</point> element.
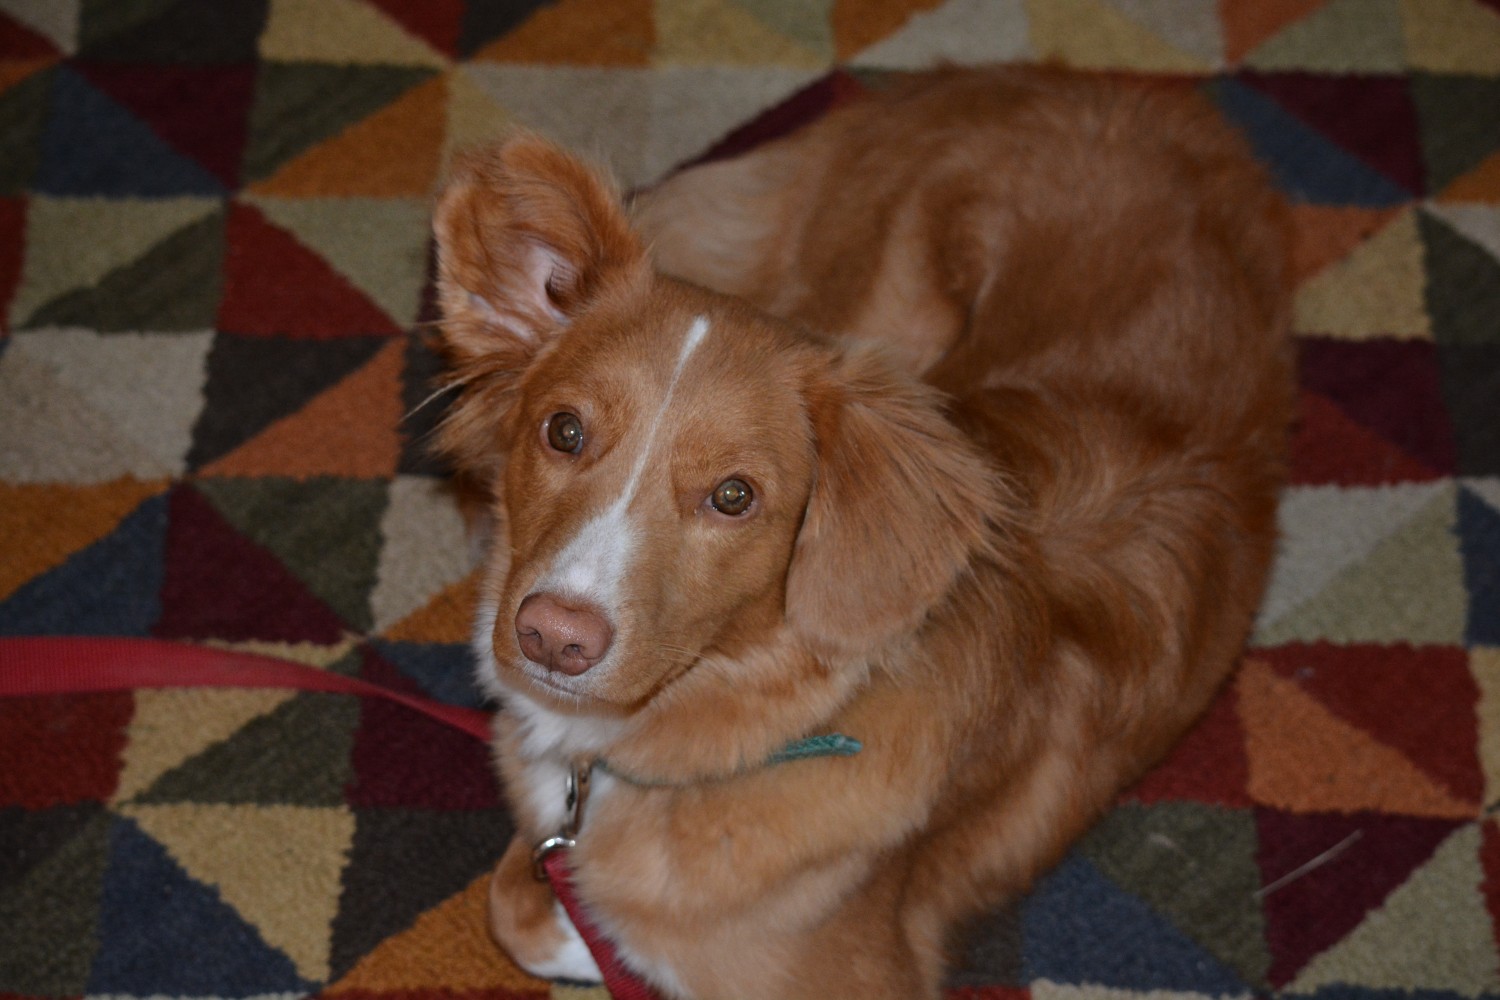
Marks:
<point>1002,355</point>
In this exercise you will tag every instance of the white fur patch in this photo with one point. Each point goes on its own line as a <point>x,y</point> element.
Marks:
<point>572,961</point>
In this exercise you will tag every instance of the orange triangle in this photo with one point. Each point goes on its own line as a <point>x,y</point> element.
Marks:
<point>581,33</point>
<point>45,523</point>
<point>448,617</point>
<point>1325,234</point>
<point>1247,25</point>
<point>1303,758</point>
<point>447,949</point>
<point>13,71</point>
<point>394,153</point>
<point>858,24</point>
<point>348,430</point>
<point>1480,184</point>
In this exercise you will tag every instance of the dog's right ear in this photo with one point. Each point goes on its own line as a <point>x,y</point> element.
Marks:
<point>525,236</point>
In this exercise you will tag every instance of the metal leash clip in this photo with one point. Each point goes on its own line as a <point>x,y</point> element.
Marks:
<point>577,796</point>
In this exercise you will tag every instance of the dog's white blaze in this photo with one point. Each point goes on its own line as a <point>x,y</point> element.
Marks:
<point>594,563</point>
<point>571,961</point>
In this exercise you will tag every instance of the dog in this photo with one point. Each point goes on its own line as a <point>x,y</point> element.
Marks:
<point>950,427</point>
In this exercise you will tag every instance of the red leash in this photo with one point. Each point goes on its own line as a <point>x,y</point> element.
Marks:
<point>55,666</point>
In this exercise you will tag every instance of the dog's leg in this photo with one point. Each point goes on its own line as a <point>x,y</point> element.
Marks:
<point>529,923</point>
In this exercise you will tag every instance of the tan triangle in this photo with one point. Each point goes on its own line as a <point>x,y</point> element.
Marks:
<point>425,547</point>
<point>349,430</point>
<point>160,740</point>
<point>254,855</point>
<point>581,33</point>
<point>1452,36</point>
<point>394,153</point>
<point>448,947</point>
<point>1480,184</point>
<point>1326,234</point>
<point>448,617</point>
<point>309,654</point>
<point>1484,664</point>
<point>1092,35</point>
<point>1303,758</point>
<point>1342,36</point>
<point>340,31</point>
<point>859,24</point>
<point>1432,933</point>
<point>1248,25</point>
<point>1376,291</point>
<point>472,117</point>
<point>718,33</point>
<point>44,523</point>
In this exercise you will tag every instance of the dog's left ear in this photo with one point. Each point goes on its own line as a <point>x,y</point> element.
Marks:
<point>901,503</point>
<point>526,234</point>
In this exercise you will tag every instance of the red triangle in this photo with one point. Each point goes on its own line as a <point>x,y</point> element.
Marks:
<point>275,285</point>
<point>62,751</point>
<point>17,41</point>
<point>202,111</point>
<point>402,760</point>
<point>1373,117</point>
<point>1308,915</point>
<point>1418,700</point>
<point>12,229</point>
<point>1209,765</point>
<point>218,584</point>
<point>1392,387</point>
<point>439,23</point>
<point>1330,447</point>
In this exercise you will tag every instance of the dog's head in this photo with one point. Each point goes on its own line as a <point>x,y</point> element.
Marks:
<point>675,475</point>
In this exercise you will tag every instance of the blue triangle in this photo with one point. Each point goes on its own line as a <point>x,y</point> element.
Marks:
<point>162,933</point>
<point>1304,163</point>
<point>1079,927</point>
<point>444,671</point>
<point>109,588</point>
<point>1479,540</point>
<point>93,146</point>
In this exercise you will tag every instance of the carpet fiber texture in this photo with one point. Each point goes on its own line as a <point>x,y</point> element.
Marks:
<point>214,265</point>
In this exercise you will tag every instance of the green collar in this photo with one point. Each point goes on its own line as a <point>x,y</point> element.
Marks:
<point>827,745</point>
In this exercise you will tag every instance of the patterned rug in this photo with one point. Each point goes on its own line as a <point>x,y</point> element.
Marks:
<point>213,271</point>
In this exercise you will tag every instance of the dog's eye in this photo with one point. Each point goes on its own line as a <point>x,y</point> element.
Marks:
<point>732,497</point>
<point>565,433</point>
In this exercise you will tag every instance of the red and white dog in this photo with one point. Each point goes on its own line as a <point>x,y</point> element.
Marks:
<point>953,424</point>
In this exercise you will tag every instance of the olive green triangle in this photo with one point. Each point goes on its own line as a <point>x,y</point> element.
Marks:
<point>49,916</point>
<point>174,286</point>
<point>379,244</point>
<point>299,105</point>
<point>1460,122</point>
<point>297,755</point>
<point>1463,286</point>
<point>326,531</point>
<point>1432,933</point>
<point>1410,588</point>
<point>23,113</point>
<point>809,22</point>
<point>120,232</point>
<point>1344,36</point>
<point>1196,866</point>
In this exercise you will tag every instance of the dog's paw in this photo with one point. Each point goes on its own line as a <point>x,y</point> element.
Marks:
<point>570,960</point>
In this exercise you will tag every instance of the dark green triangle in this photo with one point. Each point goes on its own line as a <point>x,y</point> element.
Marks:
<point>297,755</point>
<point>1460,121</point>
<point>325,530</point>
<point>299,105</point>
<point>1463,286</point>
<point>174,286</point>
<point>49,916</point>
<point>171,31</point>
<point>1194,864</point>
<point>23,115</point>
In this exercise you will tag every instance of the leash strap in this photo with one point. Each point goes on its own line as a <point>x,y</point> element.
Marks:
<point>621,982</point>
<point>52,666</point>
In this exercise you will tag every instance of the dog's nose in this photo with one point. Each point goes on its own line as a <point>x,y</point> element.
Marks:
<point>562,636</point>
